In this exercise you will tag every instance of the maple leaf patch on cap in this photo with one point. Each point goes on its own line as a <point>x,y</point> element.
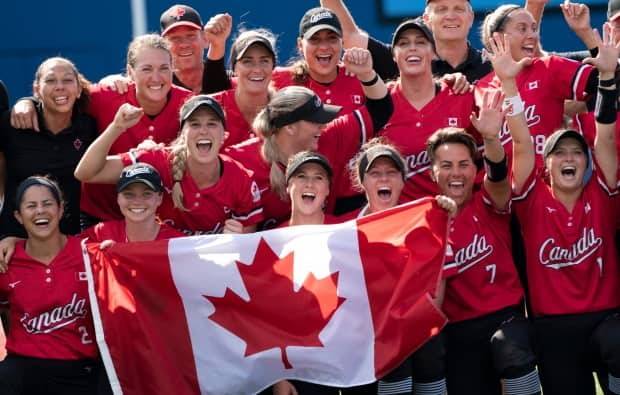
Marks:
<point>299,316</point>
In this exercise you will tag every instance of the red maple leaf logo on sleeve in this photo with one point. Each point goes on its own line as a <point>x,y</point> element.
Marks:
<point>276,315</point>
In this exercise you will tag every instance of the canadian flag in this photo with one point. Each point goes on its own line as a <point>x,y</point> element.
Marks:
<point>339,305</point>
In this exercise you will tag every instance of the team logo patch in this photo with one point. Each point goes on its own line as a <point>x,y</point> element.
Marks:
<point>82,276</point>
<point>357,99</point>
<point>255,192</point>
<point>178,12</point>
<point>77,144</point>
<point>453,121</point>
<point>532,85</point>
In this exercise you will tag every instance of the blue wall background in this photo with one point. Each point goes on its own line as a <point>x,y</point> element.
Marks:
<point>95,34</point>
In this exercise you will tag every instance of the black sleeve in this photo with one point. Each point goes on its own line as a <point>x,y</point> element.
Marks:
<point>382,60</point>
<point>592,84</point>
<point>4,97</point>
<point>380,111</point>
<point>215,79</point>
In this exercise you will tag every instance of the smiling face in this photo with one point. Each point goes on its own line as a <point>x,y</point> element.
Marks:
<point>39,212</point>
<point>413,53</point>
<point>523,34</point>
<point>187,47</point>
<point>454,172</point>
<point>322,53</point>
<point>308,189</point>
<point>305,135</point>
<point>204,134</point>
<point>254,69</point>
<point>152,74</point>
<point>57,86</point>
<point>138,202</point>
<point>449,20</point>
<point>383,183</point>
<point>567,165</point>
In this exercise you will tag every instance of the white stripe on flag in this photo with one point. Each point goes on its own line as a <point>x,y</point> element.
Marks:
<point>94,306</point>
<point>209,268</point>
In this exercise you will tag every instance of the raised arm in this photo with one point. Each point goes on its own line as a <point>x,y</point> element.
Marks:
<point>96,166</point>
<point>577,17</point>
<point>536,8</point>
<point>216,32</point>
<point>488,123</point>
<point>506,69</point>
<point>378,100</point>
<point>352,35</point>
<point>606,105</point>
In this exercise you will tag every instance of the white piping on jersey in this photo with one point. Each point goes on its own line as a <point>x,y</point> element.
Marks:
<point>251,214</point>
<point>363,131</point>
<point>576,79</point>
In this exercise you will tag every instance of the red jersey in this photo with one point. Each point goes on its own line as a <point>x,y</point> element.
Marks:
<point>572,264</point>
<point>481,275</point>
<point>50,314</point>
<point>543,87</point>
<point>339,141</point>
<point>345,90</point>
<point>99,200</point>
<point>409,128</point>
<point>116,230</point>
<point>237,127</point>
<point>235,195</point>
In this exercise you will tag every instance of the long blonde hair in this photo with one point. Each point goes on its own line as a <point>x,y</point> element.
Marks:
<point>179,164</point>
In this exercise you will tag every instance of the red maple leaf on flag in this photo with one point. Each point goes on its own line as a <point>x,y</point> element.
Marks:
<point>276,315</point>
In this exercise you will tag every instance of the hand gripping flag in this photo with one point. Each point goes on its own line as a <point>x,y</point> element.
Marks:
<point>339,305</point>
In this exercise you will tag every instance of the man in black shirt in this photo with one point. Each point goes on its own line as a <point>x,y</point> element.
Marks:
<point>450,22</point>
<point>182,27</point>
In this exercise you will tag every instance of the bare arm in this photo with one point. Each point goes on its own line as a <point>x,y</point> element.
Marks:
<point>536,8</point>
<point>524,156</point>
<point>577,17</point>
<point>604,142</point>
<point>489,123</point>
<point>96,166</point>
<point>216,32</point>
<point>359,62</point>
<point>352,35</point>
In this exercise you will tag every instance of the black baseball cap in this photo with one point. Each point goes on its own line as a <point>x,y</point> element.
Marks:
<point>142,173</point>
<point>245,41</point>
<point>613,9</point>
<point>179,15</point>
<point>380,151</point>
<point>417,23</point>
<point>313,110</point>
<point>303,157</point>
<point>316,19</point>
<point>198,101</point>
<point>553,140</point>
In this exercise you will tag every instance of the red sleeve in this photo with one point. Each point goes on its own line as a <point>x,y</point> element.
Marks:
<point>569,77</point>
<point>450,267</point>
<point>249,210</point>
<point>4,289</point>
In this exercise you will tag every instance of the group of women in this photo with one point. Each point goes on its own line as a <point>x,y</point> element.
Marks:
<point>295,145</point>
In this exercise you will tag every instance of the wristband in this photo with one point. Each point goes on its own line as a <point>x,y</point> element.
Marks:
<point>513,105</point>
<point>496,171</point>
<point>607,83</point>
<point>372,81</point>
<point>605,111</point>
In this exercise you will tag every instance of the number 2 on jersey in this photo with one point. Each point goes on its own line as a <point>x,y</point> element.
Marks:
<point>85,335</point>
